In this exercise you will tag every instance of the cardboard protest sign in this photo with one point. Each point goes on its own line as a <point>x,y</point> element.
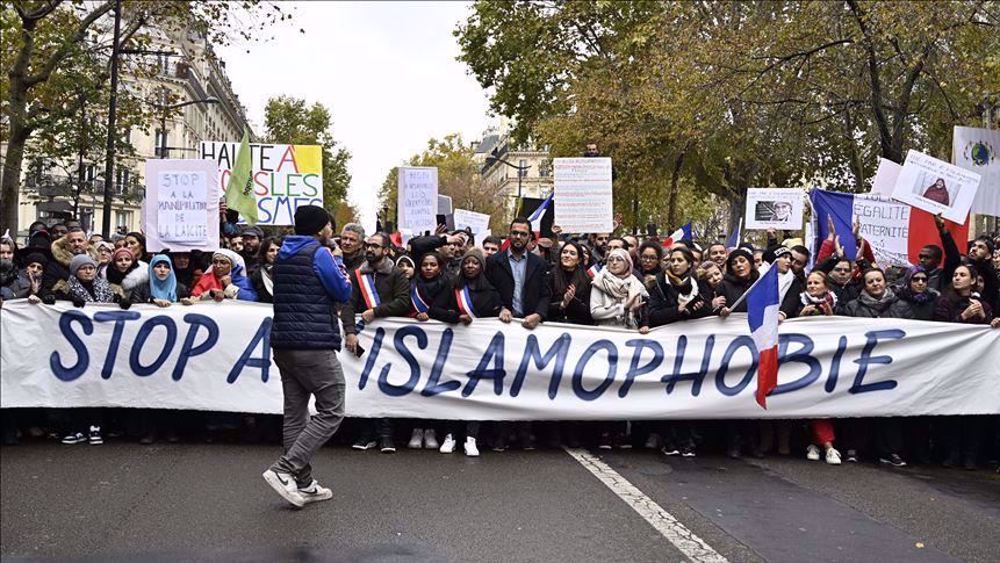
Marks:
<point>975,150</point>
<point>417,198</point>
<point>181,210</point>
<point>584,195</point>
<point>284,176</point>
<point>936,186</point>
<point>478,223</point>
<point>885,177</point>
<point>774,208</point>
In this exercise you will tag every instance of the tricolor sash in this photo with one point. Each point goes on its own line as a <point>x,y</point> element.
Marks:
<point>366,283</point>
<point>464,300</point>
<point>419,303</point>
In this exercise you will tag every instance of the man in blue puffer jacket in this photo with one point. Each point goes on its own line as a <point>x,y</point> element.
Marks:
<point>309,282</point>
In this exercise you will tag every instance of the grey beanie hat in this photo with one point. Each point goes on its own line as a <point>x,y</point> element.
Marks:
<point>79,261</point>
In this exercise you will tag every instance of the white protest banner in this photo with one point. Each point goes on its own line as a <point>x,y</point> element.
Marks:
<point>181,208</point>
<point>478,223</point>
<point>284,176</point>
<point>885,224</point>
<point>417,203</point>
<point>216,356</point>
<point>774,208</point>
<point>936,186</point>
<point>885,177</point>
<point>583,195</point>
<point>976,150</point>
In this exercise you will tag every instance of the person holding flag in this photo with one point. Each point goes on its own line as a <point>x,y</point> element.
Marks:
<point>683,233</point>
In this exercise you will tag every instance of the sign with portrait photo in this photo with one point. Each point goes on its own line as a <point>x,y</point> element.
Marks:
<point>936,186</point>
<point>774,208</point>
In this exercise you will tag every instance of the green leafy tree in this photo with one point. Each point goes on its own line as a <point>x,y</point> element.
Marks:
<point>458,177</point>
<point>290,121</point>
<point>55,50</point>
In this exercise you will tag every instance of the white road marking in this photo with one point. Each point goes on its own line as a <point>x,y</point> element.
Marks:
<point>669,527</point>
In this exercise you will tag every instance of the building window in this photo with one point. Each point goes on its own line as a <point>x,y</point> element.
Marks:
<point>522,170</point>
<point>122,178</point>
<point>161,141</point>
<point>123,219</point>
<point>545,168</point>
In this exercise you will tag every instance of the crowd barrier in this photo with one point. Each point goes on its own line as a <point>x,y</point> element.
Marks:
<point>217,357</point>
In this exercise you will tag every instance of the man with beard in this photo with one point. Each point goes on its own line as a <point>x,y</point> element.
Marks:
<point>380,289</point>
<point>599,244</point>
<point>308,282</point>
<point>522,279</point>
<point>980,255</point>
<point>74,243</point>
<point>352,243</point>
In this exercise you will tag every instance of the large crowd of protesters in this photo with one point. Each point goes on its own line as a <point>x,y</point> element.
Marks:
<point>603,279</point>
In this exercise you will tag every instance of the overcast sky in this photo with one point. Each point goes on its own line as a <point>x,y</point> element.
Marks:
<point>386,70</point>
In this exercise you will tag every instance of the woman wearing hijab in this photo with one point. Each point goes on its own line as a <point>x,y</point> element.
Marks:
<point>473,298</point>
<point>225,279</point>
<point>261,277</point>
<point>617,296</point>
<point>163,289</point>
<point>570,288</point>
<point>617,299</point>
<point>406,264</point>
<point>105,250</point>
<point>917,299</point>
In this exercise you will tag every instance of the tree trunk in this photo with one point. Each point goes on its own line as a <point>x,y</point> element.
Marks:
<point>675,178</point>
<point>19,130</point>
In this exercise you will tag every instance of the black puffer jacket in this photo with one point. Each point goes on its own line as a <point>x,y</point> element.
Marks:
<point>910,306</point>
<point>663,307</point>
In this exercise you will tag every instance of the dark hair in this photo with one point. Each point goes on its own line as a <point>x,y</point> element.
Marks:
<point>384,237</point>
<point>973,270</point>
<point>657,247</point>
<point>520,220</point>
<point>579,278</point>
<point>935,250</point>
<point>437,258</point>
<point>686,253</point>
<point>625,243</point>
<point>717,243</point>
<point>77,229</point>
<point>802,250</point>
<point>264,245</point>
<point>492,239</point>
<point>872,269</point>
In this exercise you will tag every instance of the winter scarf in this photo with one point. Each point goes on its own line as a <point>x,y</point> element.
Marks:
<point>827,303</point>
<point>906,292</point>
<point>97,291</point>
<point>687,287</point>
<point>880,304</point>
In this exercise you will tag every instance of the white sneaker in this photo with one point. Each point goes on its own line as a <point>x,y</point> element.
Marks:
<point>812,453</point>
<point>315,492</point>
<point>448,446</point>
<point>470,447</point>
<point>416,439</point>
<point>833,456</point>
<point>94,437</point>
<point>430,439</point>
<point>284,485</point>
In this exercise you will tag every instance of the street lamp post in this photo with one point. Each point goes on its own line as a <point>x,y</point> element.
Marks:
<point>520,170</point>
<point>164,149</point>
<point>109,167</point>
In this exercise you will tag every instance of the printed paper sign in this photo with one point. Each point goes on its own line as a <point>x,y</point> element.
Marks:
<point>936,186</point>
<point>774,208</point>
<point>284,176</point>
<point>417,203</point>
<point>584,195</point>
<point>182,205</point>
<point>885,177</point>
<point>478,223</point>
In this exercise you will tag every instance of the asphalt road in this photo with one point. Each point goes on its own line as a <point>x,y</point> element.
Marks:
<point>209,503</point>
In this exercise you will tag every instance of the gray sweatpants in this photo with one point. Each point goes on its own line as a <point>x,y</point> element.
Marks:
<point>304,373</point>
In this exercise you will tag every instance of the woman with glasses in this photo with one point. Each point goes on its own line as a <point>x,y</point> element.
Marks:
<point>650,257</point>
<point>916,298</point>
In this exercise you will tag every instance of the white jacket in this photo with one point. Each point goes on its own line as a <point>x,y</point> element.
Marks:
<point>608,310</point>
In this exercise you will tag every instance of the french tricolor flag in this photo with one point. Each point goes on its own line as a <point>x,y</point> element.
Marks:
<point>536,216</point>
<point>736,237</point>
<point>762,313</point>
<point>683,233</point>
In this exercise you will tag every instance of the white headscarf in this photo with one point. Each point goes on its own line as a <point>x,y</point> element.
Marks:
<point>235,259</point>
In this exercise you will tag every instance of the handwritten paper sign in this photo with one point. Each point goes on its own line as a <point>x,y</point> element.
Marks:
<point>182,205</point>
<point>284,176</point>
<point>417,203</point>
<point>936,186</point>
<point>478,223</point>
<point>583,195</point>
